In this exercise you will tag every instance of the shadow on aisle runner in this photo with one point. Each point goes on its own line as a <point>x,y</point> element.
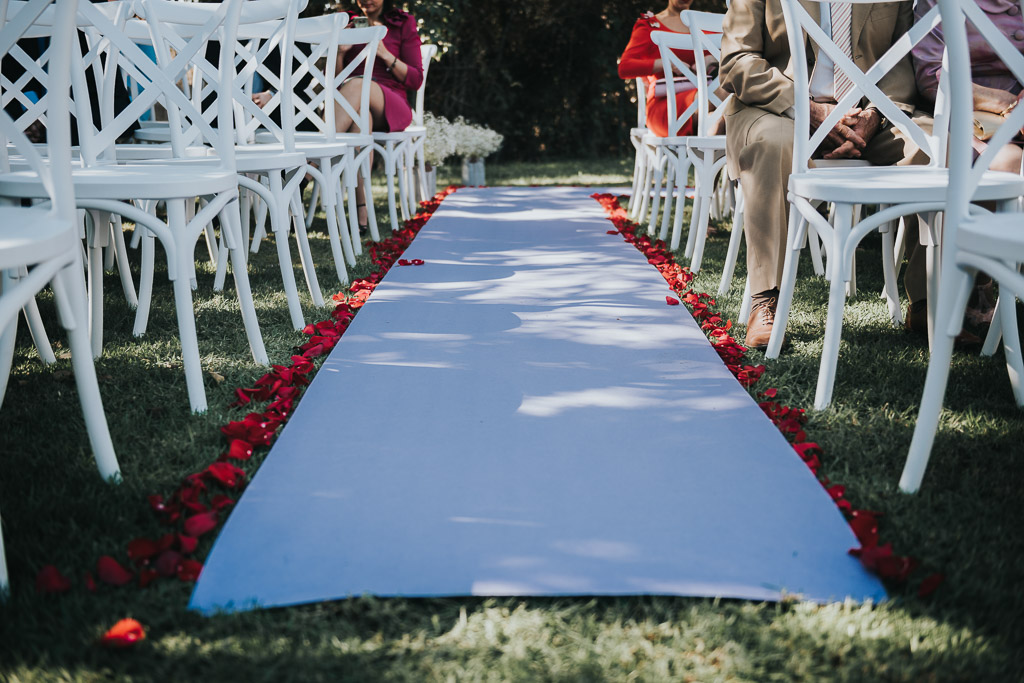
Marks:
<point>524,415</point>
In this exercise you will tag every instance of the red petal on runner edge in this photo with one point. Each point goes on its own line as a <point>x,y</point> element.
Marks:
<point>189,570</point>
<point>929,585</point>
<point>417,262</point>
<point>187,544</point>
<point>124,633</point>
<point>110,571</point>
<point>226,474</point>
<point>197,525</point>
<point>141,549</point>
<point>671,301</point>
<point>50,580</point>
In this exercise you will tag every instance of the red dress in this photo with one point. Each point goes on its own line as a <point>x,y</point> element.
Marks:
<point>403,41</point>
<point>637,61</point>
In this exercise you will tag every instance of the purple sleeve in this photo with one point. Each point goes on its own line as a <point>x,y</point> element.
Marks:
<point>410,54</point>
<point>927,55</point>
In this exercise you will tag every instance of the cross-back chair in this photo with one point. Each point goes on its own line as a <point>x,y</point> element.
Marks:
<point>973,239</point>
<point>39,244</point>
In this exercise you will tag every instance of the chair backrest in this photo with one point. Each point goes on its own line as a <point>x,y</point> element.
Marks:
<point>802,27</point>
<point>965,171</point>
<point>17,21</point>
<point>427,53</point>
<point>668,42</point>
<point>255,44</point>
<point>317,40</point>
<point>706,29</point>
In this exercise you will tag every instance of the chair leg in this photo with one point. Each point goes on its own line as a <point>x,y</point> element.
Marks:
<point>67,284</point>
<point>279,223</point>
<point>148,246</point>
<point>371,212</point>
<point>836,308</point>
<point>745,302</point>
<point>123,268</point>
<point>672,195</point>
<point>314,197</point>
<point>97,238</point>
<point>38,332</point>
<point>230,226</point>
<point>995,331</point>
<point>735,239</point>
<point>655,198</point>
<point>699,199</point>
<point>702,228</point>
<point>184,307</point>
<point>305,253</point>
<point>1011,346</point>
<point>794,238</point>
<point>956,288</point>
<point>892,294</point>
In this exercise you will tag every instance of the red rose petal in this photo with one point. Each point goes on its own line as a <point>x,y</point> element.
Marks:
<point>147,576</point>
<point>671,301</point>
<point>124,633</point>
<point>417,262</point>
<point>168,562</point>
<point>197,525</point>
<point>189,570</point>
<point>187,544</point>
<point>929,585</point>
<point>141,549</point>
<point>110,571</point>
<point>50,580</point>
<point>90,583</point>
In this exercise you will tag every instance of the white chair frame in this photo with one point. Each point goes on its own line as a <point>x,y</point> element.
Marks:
<point>39,245</point>
<point>974,240</point>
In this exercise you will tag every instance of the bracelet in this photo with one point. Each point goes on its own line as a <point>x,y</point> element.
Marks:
<point>393,62</point>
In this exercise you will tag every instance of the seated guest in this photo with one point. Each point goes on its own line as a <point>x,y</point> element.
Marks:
<point>996,90</point>
<point>756,67</point>
<point>641,59</point>
<point>397,71</point>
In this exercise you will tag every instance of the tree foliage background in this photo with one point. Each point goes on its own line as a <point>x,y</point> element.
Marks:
<point>540,72</point>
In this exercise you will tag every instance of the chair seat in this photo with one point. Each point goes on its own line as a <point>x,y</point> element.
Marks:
<point>657,141</point>
<point>396,136</point>
<point>31,235</point>
<point>153,134</point>
<point>347,139</point>
<point>139,180</point>
<point>266,157</point>
<point>712,142</point>
<point>895,185</point>
<point>993,235</point>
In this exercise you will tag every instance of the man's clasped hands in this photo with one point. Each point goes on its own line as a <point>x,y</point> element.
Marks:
<point>851,134</point>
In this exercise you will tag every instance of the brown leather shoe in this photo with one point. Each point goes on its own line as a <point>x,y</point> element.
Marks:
<point>762,317</point>
<point>916,321</point>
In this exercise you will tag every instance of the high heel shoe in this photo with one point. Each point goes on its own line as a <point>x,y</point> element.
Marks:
<point>363,227</point>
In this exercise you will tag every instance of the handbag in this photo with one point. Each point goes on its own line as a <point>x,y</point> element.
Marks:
<point>681,85</point>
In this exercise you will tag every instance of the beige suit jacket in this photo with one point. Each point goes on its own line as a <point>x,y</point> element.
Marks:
<point>758,68</point>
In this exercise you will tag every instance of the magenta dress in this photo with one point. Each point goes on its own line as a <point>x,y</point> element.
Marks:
<point>403,41</point>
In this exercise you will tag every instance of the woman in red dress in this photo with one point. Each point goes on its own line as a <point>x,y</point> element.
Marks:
<point>641,59</point>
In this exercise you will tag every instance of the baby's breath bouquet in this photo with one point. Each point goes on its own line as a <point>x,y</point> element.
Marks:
<point>440,141</point>
<point>474,142</point>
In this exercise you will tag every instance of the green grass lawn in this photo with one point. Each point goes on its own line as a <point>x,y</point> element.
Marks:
<point>965,522</point>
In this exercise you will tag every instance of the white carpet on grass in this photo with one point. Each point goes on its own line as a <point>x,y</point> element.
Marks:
<point>524,415</point>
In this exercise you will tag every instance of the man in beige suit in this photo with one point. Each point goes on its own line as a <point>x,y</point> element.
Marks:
<point>757,67</point>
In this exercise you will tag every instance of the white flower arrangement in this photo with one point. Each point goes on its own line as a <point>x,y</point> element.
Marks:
<point>474,142</point>
<point>440,141</point>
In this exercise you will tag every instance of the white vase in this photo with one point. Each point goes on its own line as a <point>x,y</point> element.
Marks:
<point>473,172</point>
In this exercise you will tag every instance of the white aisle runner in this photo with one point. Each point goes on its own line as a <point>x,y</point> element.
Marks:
<point>524,415</point>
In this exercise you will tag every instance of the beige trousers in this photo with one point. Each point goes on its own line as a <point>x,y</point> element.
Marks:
<point>764,160</point>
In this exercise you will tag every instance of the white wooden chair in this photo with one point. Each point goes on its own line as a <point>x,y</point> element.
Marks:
<point>636,138</point>
<point>103,184</point>
<point>416,163</point>
<point>899,190</point>
<point>973,240</point>
<point>39,245</point>
<point>669,153</point>
<point>335,158</point>
<point>705,149</point>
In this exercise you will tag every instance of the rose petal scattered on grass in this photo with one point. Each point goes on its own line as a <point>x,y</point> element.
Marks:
<point>50,580</point>
<point>110,571</point>
<point>124,633</point>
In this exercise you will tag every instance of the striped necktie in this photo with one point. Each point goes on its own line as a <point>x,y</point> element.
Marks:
<point>842,35</point>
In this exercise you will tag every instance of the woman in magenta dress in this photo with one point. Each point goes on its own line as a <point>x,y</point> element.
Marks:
<point>641,59</point>
<point>397,71</point>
